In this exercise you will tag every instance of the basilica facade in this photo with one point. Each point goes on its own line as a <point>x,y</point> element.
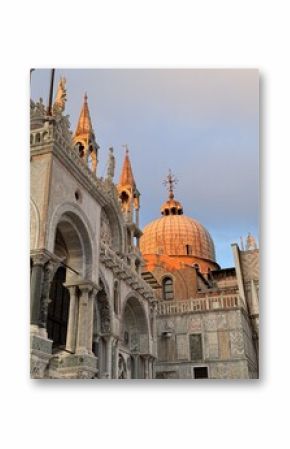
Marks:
<point>109,301</point>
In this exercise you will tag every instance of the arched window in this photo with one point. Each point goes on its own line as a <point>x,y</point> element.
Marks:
<point>188,249</point>
<point>167,287</point>
<point>81,149</point>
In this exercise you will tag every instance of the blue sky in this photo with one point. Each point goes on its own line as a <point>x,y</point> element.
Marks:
<point>203,124</point>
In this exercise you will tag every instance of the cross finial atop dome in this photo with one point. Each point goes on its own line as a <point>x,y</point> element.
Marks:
<point>171,206</point>
<point>170,182</point>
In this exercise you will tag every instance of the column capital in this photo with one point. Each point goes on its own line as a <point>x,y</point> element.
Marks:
<point>39,259</point>
<point>41,256</point>
<point>83,285</point>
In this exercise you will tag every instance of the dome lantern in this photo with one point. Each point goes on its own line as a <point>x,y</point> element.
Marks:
<point>171,206</point>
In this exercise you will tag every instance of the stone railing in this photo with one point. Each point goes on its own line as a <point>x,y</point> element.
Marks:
<point>208,303</point>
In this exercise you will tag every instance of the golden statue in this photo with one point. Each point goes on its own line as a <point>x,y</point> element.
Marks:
<point>60,99</point>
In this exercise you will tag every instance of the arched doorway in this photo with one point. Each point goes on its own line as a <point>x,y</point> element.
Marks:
<point>135,338</point>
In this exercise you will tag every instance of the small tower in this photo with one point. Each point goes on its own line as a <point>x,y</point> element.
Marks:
<point>130,203</point>
<point>84,138</point>
<point>128,192</point>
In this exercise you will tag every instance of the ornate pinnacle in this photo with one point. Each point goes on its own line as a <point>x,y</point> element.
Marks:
<point>170,182</point>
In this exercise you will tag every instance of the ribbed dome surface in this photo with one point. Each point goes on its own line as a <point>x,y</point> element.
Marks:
<point>171,234</point>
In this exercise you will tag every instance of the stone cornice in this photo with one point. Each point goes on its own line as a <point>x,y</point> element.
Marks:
<point>123,272</point>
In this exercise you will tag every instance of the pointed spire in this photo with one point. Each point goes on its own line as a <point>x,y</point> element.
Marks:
<point>127,177</point>
<point>84,127</point>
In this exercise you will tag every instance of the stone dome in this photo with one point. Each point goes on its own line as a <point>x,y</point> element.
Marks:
<point>177,235</point>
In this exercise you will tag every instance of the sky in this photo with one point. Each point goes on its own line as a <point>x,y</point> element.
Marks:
<point>203,124</point>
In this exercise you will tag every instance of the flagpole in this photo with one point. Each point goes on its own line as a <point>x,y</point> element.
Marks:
<point>49,109</point>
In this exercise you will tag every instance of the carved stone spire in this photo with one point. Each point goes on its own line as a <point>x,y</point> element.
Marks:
<point>84,127</point>
<point>84,138</point>
<point>127,178</point>
<point>128,193</point>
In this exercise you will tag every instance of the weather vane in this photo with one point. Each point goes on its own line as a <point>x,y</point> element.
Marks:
<point>170,182</point>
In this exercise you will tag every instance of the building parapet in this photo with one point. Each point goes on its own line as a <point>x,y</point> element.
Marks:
<point>208,303</point>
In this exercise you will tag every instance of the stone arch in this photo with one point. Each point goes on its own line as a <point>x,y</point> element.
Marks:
<point>34,224</point>
<point>116,228</point>
<point>135,323</point>
<point>71,238</point>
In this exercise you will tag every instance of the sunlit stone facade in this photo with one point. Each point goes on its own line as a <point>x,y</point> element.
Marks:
<point>101,306</point>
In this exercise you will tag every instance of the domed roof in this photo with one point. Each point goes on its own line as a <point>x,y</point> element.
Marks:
<point>177,235</point>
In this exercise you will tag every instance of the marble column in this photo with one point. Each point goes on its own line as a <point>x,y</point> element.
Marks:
<point>146,367</point>
<point>151,368</point>
<point>136,366</point>
<point>44,297</point>
<point>109,340</point>
<point>153,317</point>
<point>116,358</point>
<point>72,320</point>
<point>37,274</point>
<point>91,307</point>
<point>82,333</point>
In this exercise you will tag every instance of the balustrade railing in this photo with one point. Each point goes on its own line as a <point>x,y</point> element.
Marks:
<point>199,304</point>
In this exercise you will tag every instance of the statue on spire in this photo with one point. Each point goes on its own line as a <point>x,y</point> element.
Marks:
<point>170,182</point>
<point>111,165</point>
<point>60,99</point>
<point>250,242</point>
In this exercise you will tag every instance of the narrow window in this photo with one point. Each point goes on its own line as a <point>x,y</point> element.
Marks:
<point>167,285</point>
<point>188,249</point>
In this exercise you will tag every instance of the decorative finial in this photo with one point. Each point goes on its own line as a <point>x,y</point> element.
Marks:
<point>126,148</point>
<point>86,97</point>
<point>170,181</point>
<point>111,165</point>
